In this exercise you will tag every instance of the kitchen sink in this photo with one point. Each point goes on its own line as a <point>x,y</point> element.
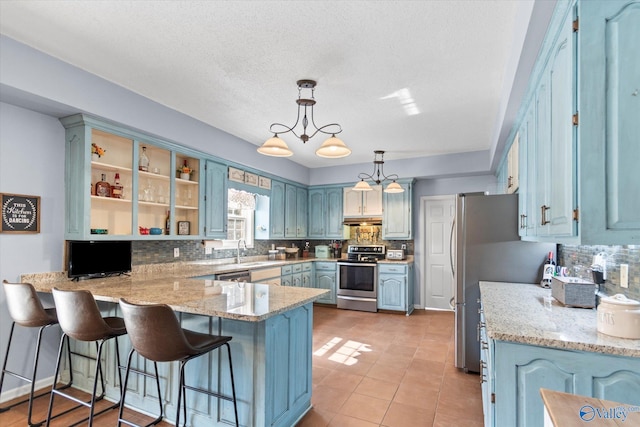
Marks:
<point>256,264</point>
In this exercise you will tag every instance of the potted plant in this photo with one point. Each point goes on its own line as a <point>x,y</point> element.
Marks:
<point>184,171</point>
<point>97,151</point>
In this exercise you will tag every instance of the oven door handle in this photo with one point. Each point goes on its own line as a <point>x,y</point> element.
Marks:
<point>356,298</point>
<point>358,264</point>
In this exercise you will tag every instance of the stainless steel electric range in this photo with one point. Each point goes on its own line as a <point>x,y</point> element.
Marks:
<point>358,278</point>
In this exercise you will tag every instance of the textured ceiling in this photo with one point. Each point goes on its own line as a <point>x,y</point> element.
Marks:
<point>234,64</point>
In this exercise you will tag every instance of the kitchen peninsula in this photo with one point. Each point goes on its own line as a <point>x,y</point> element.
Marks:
<point>271,347</point>
<point>527,346</point>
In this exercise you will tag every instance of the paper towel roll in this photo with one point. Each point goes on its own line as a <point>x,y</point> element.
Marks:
<point>213,244</point>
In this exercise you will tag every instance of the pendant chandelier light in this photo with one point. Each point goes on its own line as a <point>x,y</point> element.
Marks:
<point>378,177</point>
<point>331,148</point>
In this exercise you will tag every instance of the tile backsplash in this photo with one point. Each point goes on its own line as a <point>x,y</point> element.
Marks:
<point>161,251</point>
<point>582,258</point>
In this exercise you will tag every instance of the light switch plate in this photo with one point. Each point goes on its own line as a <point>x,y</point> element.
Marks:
<point>176,252</point>
<point>624,275</point>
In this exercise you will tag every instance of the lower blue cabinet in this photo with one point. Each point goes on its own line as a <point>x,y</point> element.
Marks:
<point>395,287</point>
<point>520,370</point>
<point>325,278</point>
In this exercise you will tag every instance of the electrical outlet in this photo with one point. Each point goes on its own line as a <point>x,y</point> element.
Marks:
<point>208,250</point>
<point>176,252</point>
<point>624,275</point>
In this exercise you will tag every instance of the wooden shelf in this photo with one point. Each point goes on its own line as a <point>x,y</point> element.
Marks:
<point>110,167</point>
<point>152,175</point>
<point>141,202</point>
<point>110,199</point>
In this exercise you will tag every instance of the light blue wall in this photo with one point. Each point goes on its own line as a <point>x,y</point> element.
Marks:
<point>440,187</point>
<point>38,81</point>
<point>31,163</point>
<point>461,164</point>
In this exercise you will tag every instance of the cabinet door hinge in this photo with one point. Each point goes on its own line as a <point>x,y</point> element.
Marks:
<point>493,398</point>
<point>576,214</point>
<point>575,119</point>
<point>576,25</point>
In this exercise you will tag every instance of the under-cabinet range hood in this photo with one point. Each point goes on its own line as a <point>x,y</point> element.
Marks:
<point>363,221</point>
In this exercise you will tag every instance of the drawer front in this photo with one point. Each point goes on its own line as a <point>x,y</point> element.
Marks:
<point>297,268</point>
<point>306,266</point>
<point>392,268</point>
<point>286,270</point>
<point>326,266</point>
<point>262,275</point>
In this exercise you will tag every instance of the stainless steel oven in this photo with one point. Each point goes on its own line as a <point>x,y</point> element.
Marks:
<point>358,278</point>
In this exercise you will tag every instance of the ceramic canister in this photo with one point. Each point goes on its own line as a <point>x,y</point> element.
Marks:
<point>619,316</point>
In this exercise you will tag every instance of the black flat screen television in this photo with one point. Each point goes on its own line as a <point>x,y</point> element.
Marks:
<point>87,259</point>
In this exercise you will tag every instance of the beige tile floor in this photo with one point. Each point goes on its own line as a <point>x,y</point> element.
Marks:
<point>383,369</point>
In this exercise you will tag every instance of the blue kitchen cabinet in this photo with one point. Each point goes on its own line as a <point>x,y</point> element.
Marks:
<point>397,220</point>
<point>486,373</point>
<point>147,196</point>
<point>325,278</point>
<point>277,210</point>
<point>307,273</point>
<point>520,370</point>
<point>580,114</point>
<point>556,195</point>
<point>325,212</point>
<point>295,212</point>
<point>285,277</point>
<point>395,287</point>
<point>215,200</point>
<point>609,106</point>
<point>296,275</point>
<point>528,172</point>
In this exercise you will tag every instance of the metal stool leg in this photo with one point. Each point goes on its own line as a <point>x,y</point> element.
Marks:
<point>32,396</point>
<point>124,392</point>
<point>233,386</point>
<point>94,398</point>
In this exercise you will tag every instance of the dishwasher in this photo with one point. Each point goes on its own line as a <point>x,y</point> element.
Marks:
<point>235,276</point>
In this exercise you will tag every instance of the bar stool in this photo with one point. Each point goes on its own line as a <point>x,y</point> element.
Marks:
<point>27,311</point>
<point>80,319</point>
<point>156,335</point>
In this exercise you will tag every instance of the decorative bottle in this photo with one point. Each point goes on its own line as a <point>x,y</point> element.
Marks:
<point>167,224</point>
<point>103,189</point>
<point>143,161</point>
<point>548,271</point>
<point>116,188</point>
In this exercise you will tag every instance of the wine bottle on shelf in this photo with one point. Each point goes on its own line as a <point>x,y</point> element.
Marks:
<point>143,161</point>
<point>548,271</point>
<point>167,225</point>
<point>116,188</point>
<point>103,189</point>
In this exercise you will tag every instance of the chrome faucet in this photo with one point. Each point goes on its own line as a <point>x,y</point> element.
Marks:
<point>244,246</point>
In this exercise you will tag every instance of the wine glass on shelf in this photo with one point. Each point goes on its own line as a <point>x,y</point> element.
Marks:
<point>160,198</point>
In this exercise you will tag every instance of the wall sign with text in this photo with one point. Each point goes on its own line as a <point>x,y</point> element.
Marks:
<point>20,213</point>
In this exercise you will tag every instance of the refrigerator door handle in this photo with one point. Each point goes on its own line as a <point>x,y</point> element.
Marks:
<point>453,226</point>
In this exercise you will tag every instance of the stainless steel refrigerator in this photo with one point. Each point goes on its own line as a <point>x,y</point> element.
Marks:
<point>487,247</point>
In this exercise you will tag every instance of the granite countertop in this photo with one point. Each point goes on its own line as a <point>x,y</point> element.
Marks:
<point>230,300</point>
<point>515,312</point>
<point>179,286</point>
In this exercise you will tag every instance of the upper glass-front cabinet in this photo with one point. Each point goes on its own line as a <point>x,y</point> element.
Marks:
<point>121,185</point>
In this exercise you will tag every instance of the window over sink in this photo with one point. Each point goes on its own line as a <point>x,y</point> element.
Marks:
<point>244,210</point>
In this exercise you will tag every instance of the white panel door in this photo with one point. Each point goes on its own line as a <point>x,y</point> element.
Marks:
<point>439,214</point>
